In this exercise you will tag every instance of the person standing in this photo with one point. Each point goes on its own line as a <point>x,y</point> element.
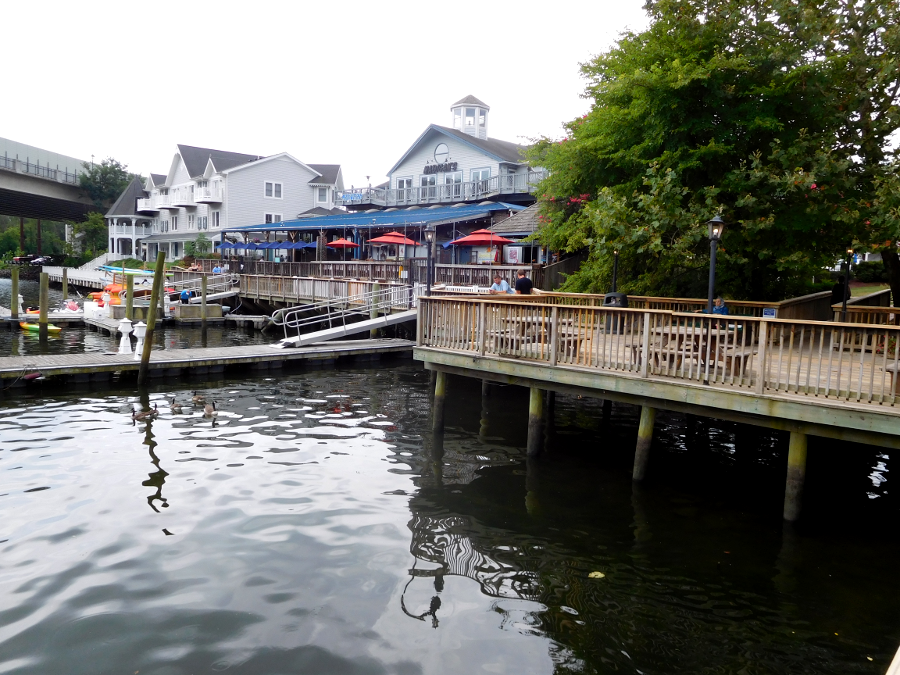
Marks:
<point>523,284</point>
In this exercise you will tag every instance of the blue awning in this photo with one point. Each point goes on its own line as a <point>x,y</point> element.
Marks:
<point>411,217</point>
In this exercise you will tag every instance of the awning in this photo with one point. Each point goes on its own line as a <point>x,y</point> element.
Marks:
<point>396,219</point>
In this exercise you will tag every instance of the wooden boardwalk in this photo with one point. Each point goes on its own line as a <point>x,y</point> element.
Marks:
<point>177,361</point>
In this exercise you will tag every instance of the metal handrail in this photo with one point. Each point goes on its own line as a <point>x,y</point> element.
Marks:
<point>215,283</point>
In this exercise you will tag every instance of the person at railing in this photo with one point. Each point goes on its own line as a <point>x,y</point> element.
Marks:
<point>500,285</point>
<point>523,284</point>
<point>217,269</point>
<point>719,307</point>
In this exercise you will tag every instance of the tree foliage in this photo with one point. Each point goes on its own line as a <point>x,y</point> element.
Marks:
<point>198,246</point>
<point>93,234</point>
<point>774,114</point>
<point>103,183</point>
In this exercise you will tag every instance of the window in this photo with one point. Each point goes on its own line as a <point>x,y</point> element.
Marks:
<point>322,195</point>
<point>164,226</point>
<point>202,183</point>
<point>427,184</point>
<point>457,118</point>
<point>202,222</point>
<point>174,249</point>
<point>480,180</point>
<point>174,223</point>
<point>453,185</point>
<point>481,117</point>
<point>273,190</point>
<point>273,217</point>
<point>470,117</point>
<point>215,219</point>
<point>190,221</point>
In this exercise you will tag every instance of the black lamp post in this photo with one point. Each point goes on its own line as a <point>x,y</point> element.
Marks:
<point>716,227</point>
<point>846,284</point>
<point>429,240</point>
<point>615,270</point>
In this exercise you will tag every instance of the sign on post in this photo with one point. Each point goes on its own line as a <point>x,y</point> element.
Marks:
<point>769,312</point>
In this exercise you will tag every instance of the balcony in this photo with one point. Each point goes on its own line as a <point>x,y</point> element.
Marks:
<point>208,195</point>
<point>165,202</point>
<point>448,193</point>
<point>147,205</point>
<point>182,198</point>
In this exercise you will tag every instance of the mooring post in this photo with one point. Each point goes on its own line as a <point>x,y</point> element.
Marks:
<point>129,297</point>
<point>485,389</point>
<point>796,474</point>
<point>158,281</point>
<point>44,303</point>
<point>535,421</point>
<point>203,313</point>
<point>14,294</point>
<point>440,390</point>
<point>373,311</point>
<point>65,282</point>
<point>645,437</point>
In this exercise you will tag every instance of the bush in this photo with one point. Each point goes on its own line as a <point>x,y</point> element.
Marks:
<point>870,272</point>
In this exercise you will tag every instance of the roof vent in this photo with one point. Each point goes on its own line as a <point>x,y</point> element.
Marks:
<point>393,208</point>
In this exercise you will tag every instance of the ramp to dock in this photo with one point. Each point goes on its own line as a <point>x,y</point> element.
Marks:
<point>349,329</point>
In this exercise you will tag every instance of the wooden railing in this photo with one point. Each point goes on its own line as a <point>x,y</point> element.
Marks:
<point>836,361</point>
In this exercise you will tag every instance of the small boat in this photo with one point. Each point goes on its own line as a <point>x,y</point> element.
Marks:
<point>36,327</point>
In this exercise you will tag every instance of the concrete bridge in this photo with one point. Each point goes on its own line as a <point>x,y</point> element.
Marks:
<point>37,183</point>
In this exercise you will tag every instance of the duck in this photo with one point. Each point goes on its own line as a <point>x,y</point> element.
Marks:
<point>197,398</point>
<point>209,410</point>
<point>145,415</point>
<point>175,407</point>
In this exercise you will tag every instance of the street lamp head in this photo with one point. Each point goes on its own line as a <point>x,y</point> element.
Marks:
<point>429,234</point>
<point>140,330</point>
<point>716,227</point>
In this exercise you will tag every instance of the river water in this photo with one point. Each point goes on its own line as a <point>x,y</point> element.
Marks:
<point>315,525</point>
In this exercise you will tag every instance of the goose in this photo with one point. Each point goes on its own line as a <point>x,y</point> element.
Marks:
<point>197,398</point>
<point>210,410</point>
<point>145,415</point>
<point>176,407</point>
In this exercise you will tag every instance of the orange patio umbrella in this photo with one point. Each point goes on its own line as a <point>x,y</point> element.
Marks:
<point>482,238</point>
<point>393,238</point>
<point>342,243</point>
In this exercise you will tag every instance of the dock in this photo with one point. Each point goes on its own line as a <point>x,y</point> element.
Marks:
<point>198,361</point>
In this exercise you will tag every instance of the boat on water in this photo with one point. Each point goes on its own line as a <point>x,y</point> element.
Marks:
<point>36,327</point>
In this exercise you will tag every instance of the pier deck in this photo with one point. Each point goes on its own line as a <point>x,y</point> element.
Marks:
<point>199,360</point>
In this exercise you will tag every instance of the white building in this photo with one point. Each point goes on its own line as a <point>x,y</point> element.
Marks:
<point>210,191</point>
<point>461,163</point>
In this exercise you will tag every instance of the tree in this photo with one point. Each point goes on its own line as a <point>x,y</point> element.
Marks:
<point>94,234</point>
<point>199,246</point>
<point>748,110</point>
<point>103,183</point>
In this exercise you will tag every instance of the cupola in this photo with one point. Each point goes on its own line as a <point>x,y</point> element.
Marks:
<point>471,116</point>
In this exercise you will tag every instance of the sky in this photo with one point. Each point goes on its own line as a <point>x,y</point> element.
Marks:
<point>353,83</point>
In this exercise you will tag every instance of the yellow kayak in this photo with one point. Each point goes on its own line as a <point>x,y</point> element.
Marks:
<point>36,327</point>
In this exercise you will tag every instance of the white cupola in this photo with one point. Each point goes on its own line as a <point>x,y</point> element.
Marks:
<point>471,116</point>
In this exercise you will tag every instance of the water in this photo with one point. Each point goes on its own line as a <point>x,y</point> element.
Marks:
<point>316,526</point>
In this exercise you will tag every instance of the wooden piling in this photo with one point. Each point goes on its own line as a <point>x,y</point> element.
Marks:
<point>796,474</point>
<point>373,313</point>
<point>65,282</point>
<point>129,297</point>
<point>14,295</point>
<point>485,389</point>
<point>644,439</point>
<point>158,285</point>
<point>203,312</point>
<point>440,389</point>
<point>44,302</point>
<point>535,421</point>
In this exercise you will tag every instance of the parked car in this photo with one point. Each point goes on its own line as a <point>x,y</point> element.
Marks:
<point>24,259</point>
<point>43,260</point>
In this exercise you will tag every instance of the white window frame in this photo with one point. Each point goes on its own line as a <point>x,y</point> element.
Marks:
<point>202,222</point>
<point>174,223</point>
<point>277,186</point>
<point>483,168</point>
<point>319,199</point>
<point>272,218</point>
<point>215,218</point>
<point>190,223</point>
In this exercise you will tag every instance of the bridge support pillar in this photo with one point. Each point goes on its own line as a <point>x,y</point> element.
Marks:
<point>644,439</point>
<point>437,408</point>
<point>796,475</point>
<point>535,421</point>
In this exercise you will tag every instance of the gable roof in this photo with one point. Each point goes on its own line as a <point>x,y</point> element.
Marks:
<point>158,178</point>
<point>328,173</point>
<point>471,100</point>
<point>126,204</point>
<point>321,211</point>
<point>195,159</point>
<point>263,160</point>
<point>523,222</point>
<point>502,151</point>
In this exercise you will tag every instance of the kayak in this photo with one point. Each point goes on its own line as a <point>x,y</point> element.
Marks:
<point>36,327</point>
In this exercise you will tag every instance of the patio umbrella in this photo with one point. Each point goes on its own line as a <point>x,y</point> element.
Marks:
<point>482,238</point>
<point>225,244</point>
<point>393,238</point>
<point>342,243</point>
<point>249,246</point>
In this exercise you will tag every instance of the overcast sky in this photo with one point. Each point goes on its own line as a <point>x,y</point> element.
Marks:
<point>351,83</point>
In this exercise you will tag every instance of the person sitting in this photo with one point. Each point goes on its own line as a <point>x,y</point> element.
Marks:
<point>523,284</point>
<point>217,269</point>
<point>500,285</point>
<point>719,307</point>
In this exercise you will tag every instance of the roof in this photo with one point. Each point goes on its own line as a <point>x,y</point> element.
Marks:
<point>329,173</point>
<point>524,222</point>
<point>158,178</point>
<point>195,159</point>
<point>502,151</point>
<point>471,100</point>
<point>126,204</point>
<point>320,211</point>
<point>378,219</point>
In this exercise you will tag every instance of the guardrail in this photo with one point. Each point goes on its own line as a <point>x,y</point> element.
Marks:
<point>810,359</point>
<point>35,169</point>
<point>314,289</point>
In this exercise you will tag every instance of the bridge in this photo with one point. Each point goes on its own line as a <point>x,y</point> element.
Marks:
<point>37,183</point>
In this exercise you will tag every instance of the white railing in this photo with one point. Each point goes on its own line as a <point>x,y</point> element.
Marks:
<point>182,197</point>
<point>444,193</point>
<point>208,194</point>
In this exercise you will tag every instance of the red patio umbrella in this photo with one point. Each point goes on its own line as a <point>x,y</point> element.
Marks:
<point>342,243</point>
<point>393,238</point>
<point>482,238</point>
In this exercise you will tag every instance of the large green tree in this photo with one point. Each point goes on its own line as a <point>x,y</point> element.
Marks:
<point>94,234</point>
<point>102,183</point>
<point>773,114</point>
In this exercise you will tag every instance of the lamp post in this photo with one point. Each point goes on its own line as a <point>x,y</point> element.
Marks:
<point>125,342</point>
<point>716,227</point>
<point>429,240</point>
<point>140,330</point>
<point>615,270</point>
<point>846,284</point>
